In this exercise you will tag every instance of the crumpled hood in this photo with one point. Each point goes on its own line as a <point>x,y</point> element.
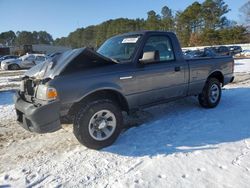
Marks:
<point>55,66</point>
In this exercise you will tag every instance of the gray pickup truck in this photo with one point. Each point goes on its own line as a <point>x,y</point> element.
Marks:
<point>128,72</point>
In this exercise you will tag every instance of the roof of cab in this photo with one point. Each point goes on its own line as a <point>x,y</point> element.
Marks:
<point>144,32</point>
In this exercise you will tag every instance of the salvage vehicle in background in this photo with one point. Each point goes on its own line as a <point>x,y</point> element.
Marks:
<point>243,54</point>
<point>221,50</point>
<point>235,50</point>
<point>25,62</point>
<point>128,72</point>
<point>7,57</point>
<point>206,52</point>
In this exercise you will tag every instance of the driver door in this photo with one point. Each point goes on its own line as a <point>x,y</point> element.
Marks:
<point>163,79</point>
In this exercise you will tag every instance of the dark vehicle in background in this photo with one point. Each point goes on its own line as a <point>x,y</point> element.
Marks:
<point>221,50</point>
<point>128,72</point>
<point>235,49</point>
<point>8,57</point>
<point>206,52</point>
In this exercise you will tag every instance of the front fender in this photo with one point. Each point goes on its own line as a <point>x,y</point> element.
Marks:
<point>99,87</point>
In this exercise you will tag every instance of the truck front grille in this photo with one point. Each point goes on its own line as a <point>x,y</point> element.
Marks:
<point>29,87</point>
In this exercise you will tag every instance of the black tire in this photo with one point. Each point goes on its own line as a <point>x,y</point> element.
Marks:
<point>82,121</point>
<point>205,98</point>
<point>14,67</point>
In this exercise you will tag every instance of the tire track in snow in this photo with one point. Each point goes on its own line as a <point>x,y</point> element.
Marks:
<point>238,160</point>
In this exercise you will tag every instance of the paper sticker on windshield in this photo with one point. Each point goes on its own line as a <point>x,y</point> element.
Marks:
<point>130,40</point>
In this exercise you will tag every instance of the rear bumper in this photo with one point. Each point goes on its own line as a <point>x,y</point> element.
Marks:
<point>229,78</point>
<point>232,79</point>
<point>42,119</point>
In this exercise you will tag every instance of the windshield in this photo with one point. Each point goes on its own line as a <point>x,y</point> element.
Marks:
<point>120,48</point>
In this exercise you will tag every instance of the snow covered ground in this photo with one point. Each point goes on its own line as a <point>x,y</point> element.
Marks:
<point>242,66</point>
<point>179,144</point>
<point>10,79</point>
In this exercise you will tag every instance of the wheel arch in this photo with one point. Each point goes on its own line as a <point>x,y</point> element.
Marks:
<point>12,64</point>
<point>105,93</point>
<point>218,75</point>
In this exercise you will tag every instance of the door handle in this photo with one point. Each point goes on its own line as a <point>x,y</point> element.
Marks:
<point>177,69</point>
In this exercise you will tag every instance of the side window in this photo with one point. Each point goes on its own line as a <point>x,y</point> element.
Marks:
<point>161,44</point>
<point>40,58</point>
<point>31,58</point>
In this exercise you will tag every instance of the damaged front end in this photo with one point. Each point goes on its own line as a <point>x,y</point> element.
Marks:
<point>37,116</point>
<point>37,102</point>
<point>34,87</point>
<point>35,111</point>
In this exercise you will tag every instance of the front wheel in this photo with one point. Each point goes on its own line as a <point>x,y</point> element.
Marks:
<point>13,67</point>
<point>211,94</point>
<point>98,124</point>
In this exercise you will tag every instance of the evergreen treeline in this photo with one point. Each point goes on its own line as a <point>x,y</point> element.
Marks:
<point>199,24</point>
<point>11,38</point>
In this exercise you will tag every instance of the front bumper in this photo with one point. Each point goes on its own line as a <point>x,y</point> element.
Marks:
<point>39,119</point>
<point>4,66</point>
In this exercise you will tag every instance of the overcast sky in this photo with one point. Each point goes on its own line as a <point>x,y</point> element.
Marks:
<point>60,17</point>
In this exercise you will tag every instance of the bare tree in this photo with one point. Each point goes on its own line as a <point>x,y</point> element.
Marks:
<point>245,9</point>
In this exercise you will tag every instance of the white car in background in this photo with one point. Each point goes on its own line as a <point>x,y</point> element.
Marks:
<point>246,53</point>
<point>25,62</point>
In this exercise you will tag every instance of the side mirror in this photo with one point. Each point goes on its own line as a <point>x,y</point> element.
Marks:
<point>150,57</point>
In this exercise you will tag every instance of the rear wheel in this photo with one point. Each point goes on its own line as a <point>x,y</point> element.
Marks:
<point>211,94</point>
<point>13,67</point>
<point>98,124</point>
